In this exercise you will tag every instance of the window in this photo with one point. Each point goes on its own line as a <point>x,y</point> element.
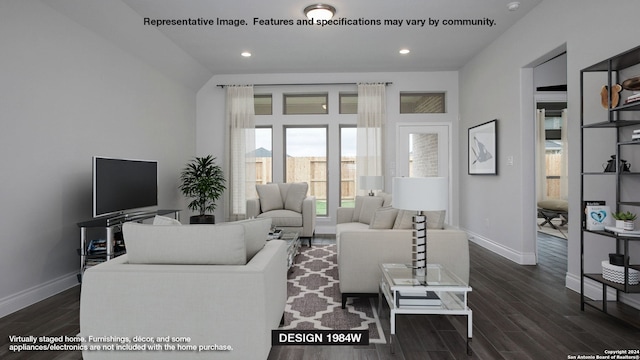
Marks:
<point>306,161</point>
<point>305,104</point>
<point>418,103</point>
<point>263,104</point>
<point>348,103</point>
<point>348,136</point>
<point>263,155</point>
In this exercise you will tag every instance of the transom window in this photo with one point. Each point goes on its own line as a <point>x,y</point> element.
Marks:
<point>422,102</point>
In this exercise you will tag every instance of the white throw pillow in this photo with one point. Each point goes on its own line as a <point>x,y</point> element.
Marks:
<point>256,232</point>
<point>384,218</point>
<point>295,196</point>
<point>270,198</point>
<point>365,207</point>
<point>165,220</point>
<point>193,244</point>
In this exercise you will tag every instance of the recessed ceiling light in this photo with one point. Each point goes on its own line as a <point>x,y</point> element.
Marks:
<point>513,6</point>
<point>404,51</point>
<point>246,54</point>
<point>319,12</point>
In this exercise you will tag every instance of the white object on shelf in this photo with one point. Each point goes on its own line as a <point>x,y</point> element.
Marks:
<point>615,274</point>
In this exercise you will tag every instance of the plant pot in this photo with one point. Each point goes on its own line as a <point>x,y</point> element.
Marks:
<point>628,225</point>
<point>202,219</point>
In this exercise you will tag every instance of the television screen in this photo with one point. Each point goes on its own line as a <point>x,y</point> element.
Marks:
<point>120,185</point>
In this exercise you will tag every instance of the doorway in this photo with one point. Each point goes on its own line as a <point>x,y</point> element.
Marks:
<point>551,166</point>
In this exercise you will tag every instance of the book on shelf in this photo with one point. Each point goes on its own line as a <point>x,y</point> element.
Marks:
<point>428,298</point>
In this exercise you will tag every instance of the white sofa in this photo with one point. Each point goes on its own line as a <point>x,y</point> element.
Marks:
<point>373,233</point>
<point>287,205</point>
<point>218,285</point>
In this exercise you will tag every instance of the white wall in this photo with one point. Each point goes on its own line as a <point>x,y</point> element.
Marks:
<point>211,121</point>
<point>494,85</point>
<point>67,94</point>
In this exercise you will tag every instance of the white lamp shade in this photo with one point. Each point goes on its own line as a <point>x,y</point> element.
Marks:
<point>370,182</point>
<point>420,193</point>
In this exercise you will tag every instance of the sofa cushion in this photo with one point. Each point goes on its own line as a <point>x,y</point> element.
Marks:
<point>193,244</point>
<point>283,218</point>
<point>256,232</point>
<point>165,220</point>
<point>270,197</point>
<point>365,207</point>
<point>384,218</point>
<point>295,196</point>
<point>435,219</point>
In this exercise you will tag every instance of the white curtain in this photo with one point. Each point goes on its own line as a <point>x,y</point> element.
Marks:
<point>541,157</point>
<point>564,179</point>
<point>241,168</point>
<point>371,121</point>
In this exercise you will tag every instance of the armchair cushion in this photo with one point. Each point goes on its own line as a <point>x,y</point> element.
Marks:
<point>193,244</point>
<point>283,218</point>
<point>165,220</point>
<point>270,197</point>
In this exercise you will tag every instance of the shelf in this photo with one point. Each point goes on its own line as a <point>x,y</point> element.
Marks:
<point>619,62</point>
<point>617,286</point>
<point>620,310</point>
<point>616,123</point>
<point>612,235</point>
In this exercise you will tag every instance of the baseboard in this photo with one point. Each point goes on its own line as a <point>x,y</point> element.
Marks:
<point>22,299</point>
<point>513,255</point>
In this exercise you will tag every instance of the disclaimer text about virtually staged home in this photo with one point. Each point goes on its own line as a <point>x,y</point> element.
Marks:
<point>424,23</point>
<point>18,344</point>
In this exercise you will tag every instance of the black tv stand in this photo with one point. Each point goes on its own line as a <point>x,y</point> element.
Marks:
<point>112,226</point>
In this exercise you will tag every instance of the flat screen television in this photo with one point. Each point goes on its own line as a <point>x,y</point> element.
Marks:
<point>123,185</point>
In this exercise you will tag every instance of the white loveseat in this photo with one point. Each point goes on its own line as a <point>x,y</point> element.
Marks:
<point>373,232</point>
<point>217,285</point>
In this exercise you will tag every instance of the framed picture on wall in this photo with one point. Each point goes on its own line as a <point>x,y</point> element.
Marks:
<point>483,148</point>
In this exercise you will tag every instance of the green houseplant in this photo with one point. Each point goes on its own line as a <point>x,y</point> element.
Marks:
<point>624,220</point>
<point>203,181</point>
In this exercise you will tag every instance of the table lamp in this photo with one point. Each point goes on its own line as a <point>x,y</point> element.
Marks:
<point>420,194</point>
<point>370,183</point>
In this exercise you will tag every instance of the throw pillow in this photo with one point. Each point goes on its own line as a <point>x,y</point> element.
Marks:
<point>296,194</point>
<point>193,244</point>
<point>384,218</point>
<point>256,232</point>
<point>165,220</point>
<point>365,207</point>
<point>435,219</point>
<point>270,198</point>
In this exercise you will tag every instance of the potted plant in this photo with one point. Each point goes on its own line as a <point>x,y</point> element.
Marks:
<point>624,220</point>
<point>203,181</point>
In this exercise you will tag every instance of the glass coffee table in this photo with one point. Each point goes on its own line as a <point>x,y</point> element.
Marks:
<point>293,245</point>
<point>442,293</point>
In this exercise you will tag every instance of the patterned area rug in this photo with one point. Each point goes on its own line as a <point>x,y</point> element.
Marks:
<point>314,300</point>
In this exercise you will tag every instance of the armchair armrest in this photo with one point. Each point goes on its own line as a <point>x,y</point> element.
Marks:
<point>253,207</point>
<point>308,216</point>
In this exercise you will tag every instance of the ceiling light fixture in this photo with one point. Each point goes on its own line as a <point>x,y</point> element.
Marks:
<point>246,54</point>
<point>513,6</point>
<point>404,51</point>
<point>319,12</point>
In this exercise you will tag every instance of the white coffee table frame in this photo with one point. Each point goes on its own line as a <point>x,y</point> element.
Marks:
<point>451,290</point>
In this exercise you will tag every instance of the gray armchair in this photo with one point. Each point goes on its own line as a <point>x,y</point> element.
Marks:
<point>287,205</point>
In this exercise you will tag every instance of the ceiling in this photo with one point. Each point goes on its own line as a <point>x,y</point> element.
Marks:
<point>333,48</point>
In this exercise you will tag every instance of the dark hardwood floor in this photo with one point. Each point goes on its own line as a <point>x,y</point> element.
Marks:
<point>519,312</point>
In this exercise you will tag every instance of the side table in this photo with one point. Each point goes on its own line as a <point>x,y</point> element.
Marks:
<point>451,291</point>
